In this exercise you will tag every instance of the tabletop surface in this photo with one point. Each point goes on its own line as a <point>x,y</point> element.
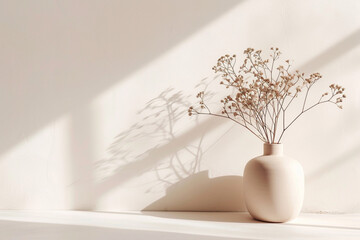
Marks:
<point>79,225</point>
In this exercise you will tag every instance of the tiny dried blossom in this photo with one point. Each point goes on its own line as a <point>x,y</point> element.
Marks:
<point>260,104</point>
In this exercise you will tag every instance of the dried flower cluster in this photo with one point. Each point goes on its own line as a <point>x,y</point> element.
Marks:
<point>262,93</point>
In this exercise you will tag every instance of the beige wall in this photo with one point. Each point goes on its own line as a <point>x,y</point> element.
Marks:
<point>94,95</point>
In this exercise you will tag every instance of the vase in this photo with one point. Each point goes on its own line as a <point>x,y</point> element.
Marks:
<point>273,186</point>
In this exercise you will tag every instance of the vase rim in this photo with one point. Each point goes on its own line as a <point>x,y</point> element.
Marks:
<point>273,148</point>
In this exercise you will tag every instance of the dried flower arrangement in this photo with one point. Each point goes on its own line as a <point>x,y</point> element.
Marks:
<point>263,92</point>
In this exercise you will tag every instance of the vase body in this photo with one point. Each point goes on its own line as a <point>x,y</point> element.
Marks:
<point>273,185</point>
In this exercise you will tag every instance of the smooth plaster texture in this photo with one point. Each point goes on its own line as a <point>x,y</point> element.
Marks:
<point>93,99</point>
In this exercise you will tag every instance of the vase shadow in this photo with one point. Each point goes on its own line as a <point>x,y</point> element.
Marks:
<point>198,192</point>
<point>234,217</point>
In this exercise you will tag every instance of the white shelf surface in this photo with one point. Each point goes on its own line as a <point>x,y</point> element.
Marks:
<point>81,225</point>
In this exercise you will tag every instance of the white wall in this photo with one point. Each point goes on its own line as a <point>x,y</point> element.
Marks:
<point>94,96</point>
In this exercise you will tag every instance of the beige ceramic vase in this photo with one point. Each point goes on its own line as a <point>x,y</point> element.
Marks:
<point>273,186</point>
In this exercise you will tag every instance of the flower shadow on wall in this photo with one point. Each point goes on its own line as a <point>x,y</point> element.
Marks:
<point>158,146</point>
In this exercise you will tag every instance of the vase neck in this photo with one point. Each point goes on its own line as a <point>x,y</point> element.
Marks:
<point>273,149</point>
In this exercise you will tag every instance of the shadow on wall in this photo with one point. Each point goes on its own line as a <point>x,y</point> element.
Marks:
<point>154,146</point>
<point>153,139</point>
<point>198,192</point>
